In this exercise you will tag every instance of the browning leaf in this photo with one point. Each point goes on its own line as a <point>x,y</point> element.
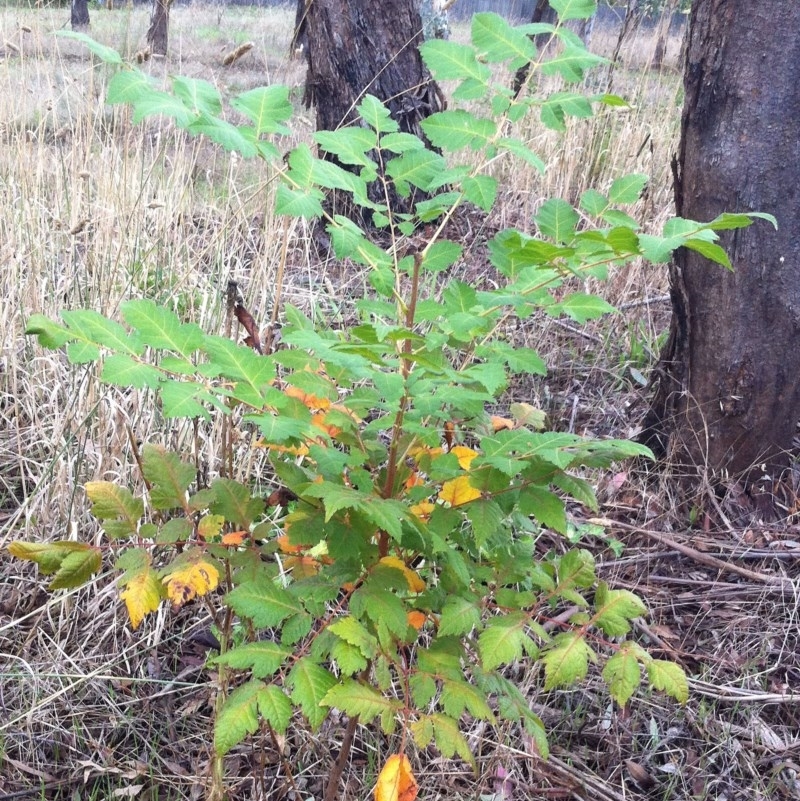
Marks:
<point>247,321</point>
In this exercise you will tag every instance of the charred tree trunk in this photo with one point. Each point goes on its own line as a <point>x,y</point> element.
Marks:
<point>79,14</point>
<point>359,47</point>
<point>158,32</point>
<point>542,12</point>
<point>728,400</point>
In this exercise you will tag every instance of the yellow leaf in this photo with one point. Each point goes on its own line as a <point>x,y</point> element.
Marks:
<point>396,782</point>
<point>210,525</point>
<point>458,491</point>
<point>464,455</point>
<point>423,510</point>
<point>191,581</point>
<point>142,595</point>
<point>415,583</point>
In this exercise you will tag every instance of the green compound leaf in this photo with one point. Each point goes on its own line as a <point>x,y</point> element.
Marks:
<point>557,219</point>
<point>263,658</point>
<point>52,557</point>
<point>76,568</point>
<point>199,96</point>
<point>354,698</point>
<point>376,115</point>
<point>448,60</point>
<point>502,641</point>
<point>275,707</point>
<point>627,189</point>
<point>267,107</point>
<point>622,674</point>
<point>238,716</point>
<point>263,601</point>
<point>116,507</point>
<point>614,609</point>
<point>459,696</point>
<point>567,662</point>
<point>161,328</point>
<point>356,634</point>
<point>51,335</point>
<point>670,678</point>
<point>449,739</point>
<point>496,40</point>
<point>459,616</point>
<point>455,130</point>
<point>169,476</point>
<point>234,502</point>
<point>310,684</point>
<point>92,327</point>
<point>574,9</point>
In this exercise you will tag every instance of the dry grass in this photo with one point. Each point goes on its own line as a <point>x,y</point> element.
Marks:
<point>95,211</point>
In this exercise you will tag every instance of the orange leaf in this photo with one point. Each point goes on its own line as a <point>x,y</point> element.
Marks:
<point>289,547</point>
<point>464,455</point>
<point>415,583</point>
<point>234,537</point>
<point>458,491</point>
<point>396,782</point>
<point>502,423</point>
<point>416,619</point>
<point>190,581</point>
<point>414,480</point>
<point>306,398</point>
<point>318,420</point>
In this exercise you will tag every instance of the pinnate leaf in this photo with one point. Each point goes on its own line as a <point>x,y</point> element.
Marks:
<point>502,640</point>
<point>458,491</point>
<point>567,661</point>
<point>264,658</point>
<point>238,716</point>
<point>142,594</point>
<point>614,609</point>
<point>161,328</point>
<point>169,476</point>
<point>263,601</point>
<point>195,577</point>
<point>670,678</point>
<point>116,507</point>
<point>354,698</point>
<point>310,684</point>
<point>622,674</point>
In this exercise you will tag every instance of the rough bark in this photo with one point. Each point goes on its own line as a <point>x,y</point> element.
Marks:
<point>728,397</point>
<point>79,14</point>
<point>359,47</point>
<point>158,32</point>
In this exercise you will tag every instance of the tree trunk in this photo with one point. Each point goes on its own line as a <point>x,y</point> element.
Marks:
<point>79,14</point>
<point>542,12</point>
<point>359,47</point>
<point>728,397</point>
<point>158,32</point>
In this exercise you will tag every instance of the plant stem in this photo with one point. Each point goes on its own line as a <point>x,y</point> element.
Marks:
<point>338,767</point>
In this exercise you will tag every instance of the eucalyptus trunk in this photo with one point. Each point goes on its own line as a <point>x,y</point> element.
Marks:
<point>728,395</point>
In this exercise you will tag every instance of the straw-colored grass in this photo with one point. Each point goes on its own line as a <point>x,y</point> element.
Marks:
<point>94,210</point>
